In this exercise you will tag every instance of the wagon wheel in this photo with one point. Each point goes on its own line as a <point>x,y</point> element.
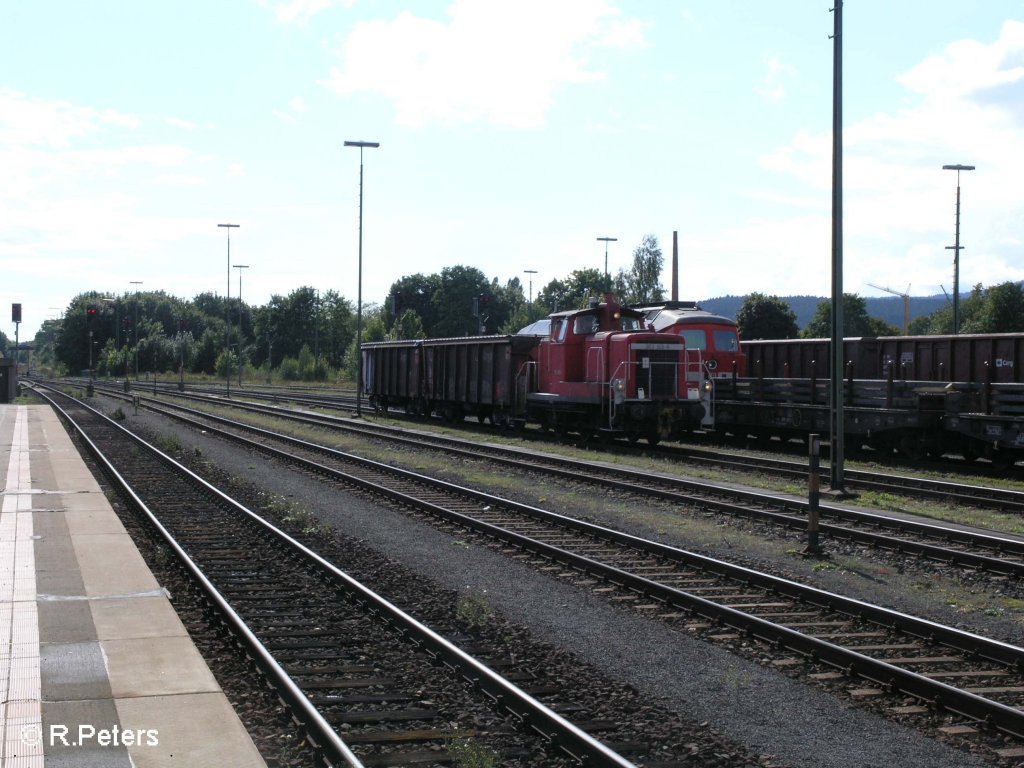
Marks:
<point>972,450</point>
<point>912,447</point>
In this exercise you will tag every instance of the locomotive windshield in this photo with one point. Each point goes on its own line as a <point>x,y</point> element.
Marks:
<point>695,338</point>
<point>584,325</point>
<point>726,341</point>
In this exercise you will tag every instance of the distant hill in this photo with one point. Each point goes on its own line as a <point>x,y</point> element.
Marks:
<point>889,308</point>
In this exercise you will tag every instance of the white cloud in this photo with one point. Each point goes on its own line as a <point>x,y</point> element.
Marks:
<point>773,83</point>
<point>898,202</point>
<point>300,11</point>
<point>502,63</point>
<point>296,106</point>
<point>968,66</point>
<point>26,121</point>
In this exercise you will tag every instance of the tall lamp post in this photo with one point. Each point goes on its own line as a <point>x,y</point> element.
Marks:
<point>956,248</point>
<point>227,316</point>
<point>240,267</point>
<point>606,241</point>
<point>531,273</point>
<point>359,298</point>
<point>136,283</point>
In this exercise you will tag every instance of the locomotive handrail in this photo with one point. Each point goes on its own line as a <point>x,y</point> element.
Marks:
<point>599,368</point>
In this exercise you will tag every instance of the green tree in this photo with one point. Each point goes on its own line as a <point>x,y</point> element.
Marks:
<point>642,284</point>
<point>855,319</point>
<point>940,322</point>
<point>337,327</point>
<point>574,292</point>
<point>453,301</point>
<point>408,325</point>
<point>1001,312</point>
<point>293,321</point>
<point>921,325</point>
<point>879,327</point>
<point>413,293</point>
<point>374,329</point>
<point>766,317</point>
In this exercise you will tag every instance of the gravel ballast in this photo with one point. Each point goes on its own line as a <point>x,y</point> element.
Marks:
<point>764,710</point>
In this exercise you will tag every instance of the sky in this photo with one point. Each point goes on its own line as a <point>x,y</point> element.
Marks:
<point>512,136</point>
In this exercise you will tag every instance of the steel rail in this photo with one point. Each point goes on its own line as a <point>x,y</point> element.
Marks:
<point>321,735</point>
<point>893,678</point>
<point>981,496</point>
<point>570,739</point>
<point>639,482</point>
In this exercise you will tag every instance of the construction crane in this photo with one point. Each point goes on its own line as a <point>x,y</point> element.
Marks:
<point>906,304</point>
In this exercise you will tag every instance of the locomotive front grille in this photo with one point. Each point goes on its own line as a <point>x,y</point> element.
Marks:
<point>657,371</point>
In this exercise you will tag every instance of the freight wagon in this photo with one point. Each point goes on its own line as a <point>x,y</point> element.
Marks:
<point>968,357</point>
<point>592,371</point>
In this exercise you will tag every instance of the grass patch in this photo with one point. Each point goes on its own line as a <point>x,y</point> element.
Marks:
<point>295,514</point>
<point>467,753</point>
<point>473,611</point>
<point>169,442</point>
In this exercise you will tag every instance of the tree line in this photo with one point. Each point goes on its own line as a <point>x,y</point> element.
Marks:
<point>308,334</point>
<point>999,309</point>
<point>311,335</point>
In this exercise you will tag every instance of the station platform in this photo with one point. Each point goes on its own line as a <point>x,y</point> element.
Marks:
<point>96,669</point>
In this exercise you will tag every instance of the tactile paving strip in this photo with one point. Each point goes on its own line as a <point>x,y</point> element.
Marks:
<point>21,720</point>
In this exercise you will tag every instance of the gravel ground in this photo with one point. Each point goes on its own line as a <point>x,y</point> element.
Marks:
<point>771,715</point>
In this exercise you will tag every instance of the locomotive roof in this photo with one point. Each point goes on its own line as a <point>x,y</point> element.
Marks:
<point>624,311</point>
<point>662,316</point>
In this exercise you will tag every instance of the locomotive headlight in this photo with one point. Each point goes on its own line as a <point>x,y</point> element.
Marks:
<point>708,385</point>
<point>619,390</point>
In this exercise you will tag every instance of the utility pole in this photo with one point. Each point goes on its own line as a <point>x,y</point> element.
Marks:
<point>836,384</point>
<point>957,247</point>
<point>607,240</point>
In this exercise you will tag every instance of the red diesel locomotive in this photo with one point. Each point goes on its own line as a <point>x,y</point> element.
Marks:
<point>715,336</point>
<point>598,370</point>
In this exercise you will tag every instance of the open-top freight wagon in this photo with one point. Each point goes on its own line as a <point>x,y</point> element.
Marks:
<point>598,370</point>
<point>916,395</point>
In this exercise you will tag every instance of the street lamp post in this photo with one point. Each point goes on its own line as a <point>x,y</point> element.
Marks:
<point>227,310</point>
<point>531,273</point>
<point>136,283</point>
<point>956,248</point>
<point>606,241</point>
<point>359,297</point>
<point>240,267</point>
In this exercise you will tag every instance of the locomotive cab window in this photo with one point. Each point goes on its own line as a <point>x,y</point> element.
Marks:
<point>558,329</point>
<point>726,341</point>
<point>585,325</point>
<point>695,338</point>
<point>630,324</point>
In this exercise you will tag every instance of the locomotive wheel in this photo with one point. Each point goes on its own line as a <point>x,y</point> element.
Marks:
<point>653,438</point>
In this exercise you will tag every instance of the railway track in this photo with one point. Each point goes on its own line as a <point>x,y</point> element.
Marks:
<point>940,543</point>
<point>865,650</point>
<point>919,487</point>
<point>339,655</point>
